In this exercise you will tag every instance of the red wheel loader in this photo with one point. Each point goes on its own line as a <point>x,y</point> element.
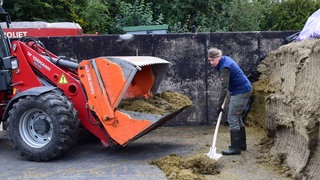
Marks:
<point>46,99</point>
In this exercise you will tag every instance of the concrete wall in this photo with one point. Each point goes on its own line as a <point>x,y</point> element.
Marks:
<point>190,72</point>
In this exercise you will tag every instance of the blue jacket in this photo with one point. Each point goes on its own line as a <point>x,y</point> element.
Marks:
<point>238,82</point>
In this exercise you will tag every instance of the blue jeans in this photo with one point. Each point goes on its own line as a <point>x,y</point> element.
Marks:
<point>236,109</point>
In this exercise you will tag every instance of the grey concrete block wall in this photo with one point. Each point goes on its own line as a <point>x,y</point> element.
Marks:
<point>190,72</point>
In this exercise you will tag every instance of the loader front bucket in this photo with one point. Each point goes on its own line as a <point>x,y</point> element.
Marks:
<point>109,80</point>
<point>156,120</point>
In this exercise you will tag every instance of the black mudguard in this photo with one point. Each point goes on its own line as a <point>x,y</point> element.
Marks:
<point>36,91</point>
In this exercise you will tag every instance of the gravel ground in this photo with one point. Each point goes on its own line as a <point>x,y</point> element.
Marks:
<point>93,161</point>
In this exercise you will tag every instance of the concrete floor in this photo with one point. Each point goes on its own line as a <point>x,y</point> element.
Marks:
<point>93,161</point>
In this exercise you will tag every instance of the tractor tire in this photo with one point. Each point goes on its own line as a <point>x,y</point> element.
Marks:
<point>43,127</point>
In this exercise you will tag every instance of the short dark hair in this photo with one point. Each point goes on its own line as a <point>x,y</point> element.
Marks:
<point>214,52</point>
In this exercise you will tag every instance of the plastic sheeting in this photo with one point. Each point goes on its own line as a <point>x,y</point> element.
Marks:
<point>312,27</point>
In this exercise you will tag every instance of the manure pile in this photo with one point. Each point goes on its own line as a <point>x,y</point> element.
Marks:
<point>187,168</point>
<point>159,104</point>
<point>287,104</point>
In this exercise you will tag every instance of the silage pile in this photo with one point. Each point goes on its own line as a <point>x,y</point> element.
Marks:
<point>287,104</point>
<point>186,168</point>
<point>159,104</point>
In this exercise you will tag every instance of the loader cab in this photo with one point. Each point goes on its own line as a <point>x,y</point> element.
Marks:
<point>4,42</point>
<point>7,62</point>
<point>4,45</point>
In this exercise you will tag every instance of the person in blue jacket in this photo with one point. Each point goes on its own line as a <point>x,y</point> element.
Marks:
<point>235,81</point>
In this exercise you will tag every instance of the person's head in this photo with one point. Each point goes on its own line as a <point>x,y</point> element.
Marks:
<point>214,56</point>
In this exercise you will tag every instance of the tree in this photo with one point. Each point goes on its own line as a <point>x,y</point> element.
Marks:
<point>110,16</point>
<point>290,14</point>
<point>214,18</point>
<point>138,13</point>
<point>243,15</point>
<point>94,16</point>
<point>45,10</point>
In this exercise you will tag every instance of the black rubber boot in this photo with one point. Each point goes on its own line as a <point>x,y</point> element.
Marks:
<point>243,138</point>
<point>235,139</point>
<point>243,144</point>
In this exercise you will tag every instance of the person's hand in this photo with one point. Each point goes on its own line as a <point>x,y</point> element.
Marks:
<point>219,110</point>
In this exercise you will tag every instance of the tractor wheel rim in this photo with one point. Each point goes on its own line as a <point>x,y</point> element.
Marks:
<point>36,128</point>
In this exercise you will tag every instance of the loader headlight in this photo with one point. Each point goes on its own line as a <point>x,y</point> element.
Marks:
<point>10,62</point>
<point>14,63</point>
<point>1,2</point>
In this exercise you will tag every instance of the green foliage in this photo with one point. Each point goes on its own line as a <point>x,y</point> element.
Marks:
<point>183,15</point>
<point>45,10</point>
<point>290,14</point>
<point>110,16</point>
<point>215,18</point>
<point>136,14</point>
<point>95,15</point>
<point>242,15</point>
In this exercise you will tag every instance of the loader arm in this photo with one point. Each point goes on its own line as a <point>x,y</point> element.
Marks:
<point>36,70</point>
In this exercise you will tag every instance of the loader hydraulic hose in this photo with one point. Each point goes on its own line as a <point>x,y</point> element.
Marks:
<point>64,63</point>
<point>37,45</point>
